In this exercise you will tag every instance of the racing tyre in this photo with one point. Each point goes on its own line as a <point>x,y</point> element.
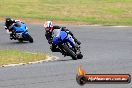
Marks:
<point>79,56</point>
<point>20,40</point>
<point>70,52</point>
<point>30,39</point>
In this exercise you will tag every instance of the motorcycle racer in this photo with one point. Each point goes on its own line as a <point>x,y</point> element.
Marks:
<point>49,27</point>
<point>9,23</point>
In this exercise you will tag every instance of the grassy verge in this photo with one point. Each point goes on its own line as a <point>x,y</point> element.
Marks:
<point>106,12</point>
<point>16,56</point>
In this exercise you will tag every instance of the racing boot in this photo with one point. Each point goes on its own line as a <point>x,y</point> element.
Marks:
<point>12,36</point>
<point>54,49</point>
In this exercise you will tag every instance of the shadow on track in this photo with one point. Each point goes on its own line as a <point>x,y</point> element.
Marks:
<point>15,43</point>
<point>61,60</point>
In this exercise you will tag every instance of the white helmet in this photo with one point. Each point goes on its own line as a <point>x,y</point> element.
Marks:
<point>48,25</point>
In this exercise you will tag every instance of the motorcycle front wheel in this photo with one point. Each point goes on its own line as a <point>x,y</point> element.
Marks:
<point>70,52</point>
<point>30,39</point>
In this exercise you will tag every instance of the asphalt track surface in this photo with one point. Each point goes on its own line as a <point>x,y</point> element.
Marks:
<point>106,50</point>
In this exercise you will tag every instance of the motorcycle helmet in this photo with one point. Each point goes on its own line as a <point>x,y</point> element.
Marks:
<point>9,21</point>
<point>48,26</point>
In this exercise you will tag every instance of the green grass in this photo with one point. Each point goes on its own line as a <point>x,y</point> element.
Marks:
<point>17,56</point>
<point>106,12</point>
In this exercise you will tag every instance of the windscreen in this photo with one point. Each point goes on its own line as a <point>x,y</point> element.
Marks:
<point>56,32</point>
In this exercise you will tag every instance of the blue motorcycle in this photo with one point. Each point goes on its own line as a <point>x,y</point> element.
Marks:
<point>20,32</point>
<point>66,44</point>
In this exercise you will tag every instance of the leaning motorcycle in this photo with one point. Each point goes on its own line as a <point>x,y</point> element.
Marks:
<point>66,44</point>
<point>20,33</point>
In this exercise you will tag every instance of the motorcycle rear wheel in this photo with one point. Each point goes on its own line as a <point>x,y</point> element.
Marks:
<point>20,40</point>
